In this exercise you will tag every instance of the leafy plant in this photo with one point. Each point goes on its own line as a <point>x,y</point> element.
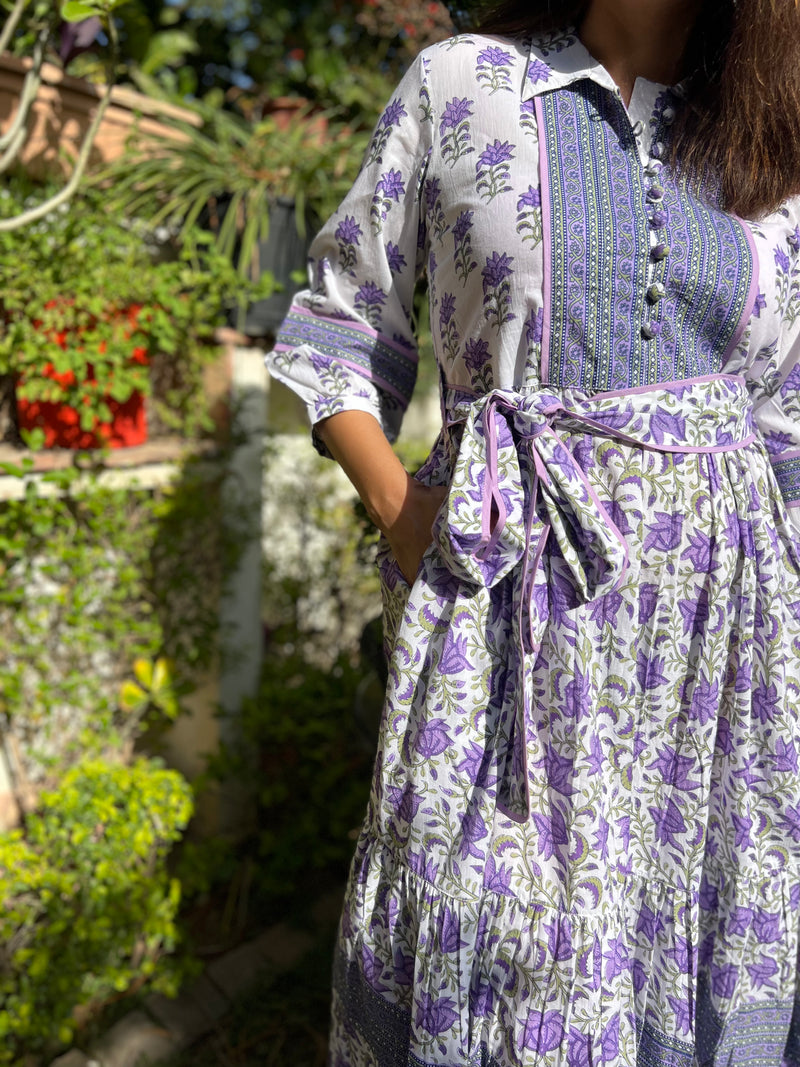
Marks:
<point>88,908</point>
<point>229,173</point>
<point>89,312</point>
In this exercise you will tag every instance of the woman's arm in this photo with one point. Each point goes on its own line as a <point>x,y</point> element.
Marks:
<point>401,507</point>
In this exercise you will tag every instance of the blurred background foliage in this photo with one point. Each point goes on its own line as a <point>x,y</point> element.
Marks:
<point>102,600</point>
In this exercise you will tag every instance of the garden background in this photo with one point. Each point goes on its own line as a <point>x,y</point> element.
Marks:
<point>192,672</point>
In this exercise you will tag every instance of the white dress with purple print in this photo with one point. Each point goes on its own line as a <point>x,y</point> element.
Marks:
<point>583,840</point>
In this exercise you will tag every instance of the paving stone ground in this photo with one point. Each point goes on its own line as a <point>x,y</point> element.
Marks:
<point>165,1027</point>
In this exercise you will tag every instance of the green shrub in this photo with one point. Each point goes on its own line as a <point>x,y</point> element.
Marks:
<point>89,311</point>
<point>86,905</point>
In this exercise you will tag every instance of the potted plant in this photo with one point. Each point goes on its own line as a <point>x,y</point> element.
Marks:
<point>91,316</point>
<point>256,184</point>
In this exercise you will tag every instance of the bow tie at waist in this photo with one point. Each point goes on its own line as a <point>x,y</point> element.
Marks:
<point>516,483</point>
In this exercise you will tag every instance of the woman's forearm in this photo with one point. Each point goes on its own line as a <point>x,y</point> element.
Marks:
<point>402,508</point>
<point>357,443</point>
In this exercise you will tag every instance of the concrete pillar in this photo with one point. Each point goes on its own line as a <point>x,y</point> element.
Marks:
<point>240,607</point>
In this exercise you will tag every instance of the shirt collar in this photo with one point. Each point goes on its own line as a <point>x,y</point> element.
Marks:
<point>556,60</point>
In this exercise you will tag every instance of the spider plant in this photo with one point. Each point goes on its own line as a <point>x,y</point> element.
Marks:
<point>228,172</point>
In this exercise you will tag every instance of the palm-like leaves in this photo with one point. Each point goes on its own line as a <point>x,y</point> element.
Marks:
<point>226,173</point>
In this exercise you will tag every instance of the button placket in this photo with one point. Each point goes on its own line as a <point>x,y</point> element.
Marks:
<point>658,216</point>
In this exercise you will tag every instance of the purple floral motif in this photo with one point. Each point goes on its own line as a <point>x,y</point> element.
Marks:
<point>552,833</point>
<point>695,612</point>
<point>422,865</point>
<point>497,289</point>
<point>792,381</point>
<point>603,610</point>
<point>777,442</point>
<point>433,208</point>
<point>447,308</point>
<point>788,287</point>
<point>527,118</point>
<point>474,767</point>
<point>785,756</point>
<point>766,707</point>
<point>432,738</point>
<point>462,241</point>
<point>347,237</point>
<point>454,654</point>
<point>493,70</point>
<point>578,695</point>
<point>767,927</point>
<point>578,1049</point>
<point>454,130</point>
<point>403,969</point>
<point>705,700</point>
<point>450,931</point>
<point>760,304</point>
<point>369,300</point>
<point>762,971</point>
<point>544,1031</point>
<point>392,116</point>
<point>435,1016</point>
<point>473,829</point>
<point>373,969</point>
<point>683,1013</point>
<point>739,921</point>
<point>534,327</point>
<point>448,330</point>
<point>481,1000</point>
<point>701,552</point>
<point>529,215</point>
<point>675,768</point>
<point>790,821</point>
<point>724,979</point>
<point>476,353</point>
<point>610,1040</point>
<point>538,72</point>
<point>497,877</point>
<point>666,426</point>
<point>669,824</point>
<point>388,191</point>
<point>665,533</point>
<point>493,170</point>
<point>395,258</point>
<point>650,670</point>
<point>559,769</point>
<point>616,957</point>
<point>405,801</point>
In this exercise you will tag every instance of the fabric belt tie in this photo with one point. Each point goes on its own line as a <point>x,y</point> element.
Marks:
<point>516,484</point>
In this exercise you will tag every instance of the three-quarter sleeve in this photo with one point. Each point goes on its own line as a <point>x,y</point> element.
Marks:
<point>348,342</point>
<point>774,372</point>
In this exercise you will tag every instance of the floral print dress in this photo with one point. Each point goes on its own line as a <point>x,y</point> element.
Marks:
<point>583,839</point>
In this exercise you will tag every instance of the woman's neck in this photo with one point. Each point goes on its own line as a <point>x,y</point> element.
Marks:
<point>634,40</point>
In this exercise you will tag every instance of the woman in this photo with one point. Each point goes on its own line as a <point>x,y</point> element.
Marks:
<point>583,839</point>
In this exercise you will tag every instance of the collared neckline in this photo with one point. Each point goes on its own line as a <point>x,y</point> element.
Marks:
<point>556,60</point>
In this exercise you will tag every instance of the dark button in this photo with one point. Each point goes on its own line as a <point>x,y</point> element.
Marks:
<point>658,219</point>
<point>668,115</point>
<point>651,330</point>
<point>660,251</point>
<point>655,192</point>
<point>653,168</point>
<point>656,292</point>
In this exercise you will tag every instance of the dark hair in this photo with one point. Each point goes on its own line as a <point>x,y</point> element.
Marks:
<point>741,121</point>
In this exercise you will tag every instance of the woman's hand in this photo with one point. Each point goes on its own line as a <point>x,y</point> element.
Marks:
<point>401,507</point>
<point>411,532</point>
